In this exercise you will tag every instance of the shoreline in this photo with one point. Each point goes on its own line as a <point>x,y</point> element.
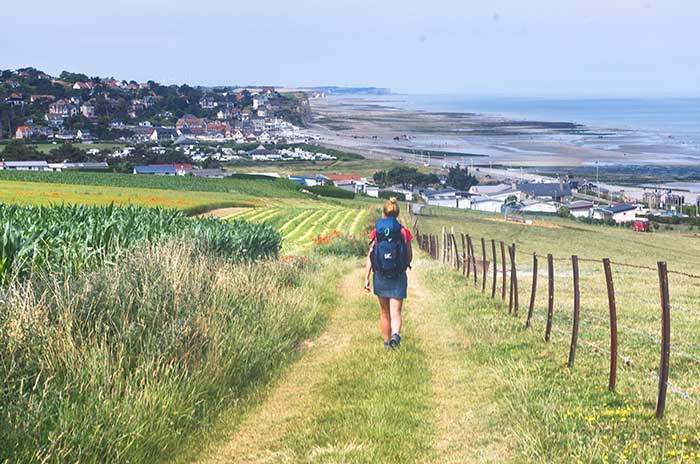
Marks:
<point>373,127</point>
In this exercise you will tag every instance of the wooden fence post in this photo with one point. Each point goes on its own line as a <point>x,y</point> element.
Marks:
<point>550,297</point>
<point>443,248</point>
<point>456,251</point>
<point>474,264</point>
<point>533,291</point>
<point>484,265</point>
<point>514,279</point>
<point>613,324</point>
<point>503,271</point>
<point>464,254</point>
<point>469,255</point>
<point>577,310</point>
<point>510,288</point>
<point>665,340</point>
<point>495,275</point>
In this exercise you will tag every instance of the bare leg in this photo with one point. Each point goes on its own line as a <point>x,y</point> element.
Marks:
<point>385,318</point>
<point>395,306</point>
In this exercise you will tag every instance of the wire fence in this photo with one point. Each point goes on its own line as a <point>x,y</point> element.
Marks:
<point>621,311</point>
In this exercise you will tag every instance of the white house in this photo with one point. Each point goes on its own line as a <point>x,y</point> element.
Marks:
<point>619,213</point>
<point>372,191</point>
<point>580,208</point>
<point>487,204</point>
<point>539,207</point>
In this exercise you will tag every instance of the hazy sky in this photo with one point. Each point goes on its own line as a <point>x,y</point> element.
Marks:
<point>535,47</point>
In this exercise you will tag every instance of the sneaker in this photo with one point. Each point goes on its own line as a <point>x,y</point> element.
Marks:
<point>387,345</point>
<point>395,341</point>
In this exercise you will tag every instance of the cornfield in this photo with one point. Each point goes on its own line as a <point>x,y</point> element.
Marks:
<point>70,238</point>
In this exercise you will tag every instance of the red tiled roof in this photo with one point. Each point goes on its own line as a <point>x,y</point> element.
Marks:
<point>335,177</point>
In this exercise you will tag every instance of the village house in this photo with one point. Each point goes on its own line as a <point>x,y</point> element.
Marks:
<point>23,132</point>
<point>83,86</point>
<point>40,97</point>
<point>309,180</point>
<point>63,108</point>
<point>447,197</point>
<point>619,213</point>
<point>580,208</point>
<point>557,191</point>
<point>190,121</point>
<point>26,166</point>
<point>539,207</point>
<point>15,99</point>
<point>486,204</point>
<point>88,110</point>
<point>207,103</point>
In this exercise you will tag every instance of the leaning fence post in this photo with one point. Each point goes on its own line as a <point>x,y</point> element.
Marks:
<point>464,254</point>
<point>514,280</point>
<point>550,297</point>
<point>613,324</point>
<point>503,271</point>
<point>533,291</point>
<point>665,340</point>
<point>577,309</point>
<point>473,254</point>
<point>495,275</point>
<point>484,265</point>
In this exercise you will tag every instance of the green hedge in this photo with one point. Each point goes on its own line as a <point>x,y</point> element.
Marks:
<point>332,191</point>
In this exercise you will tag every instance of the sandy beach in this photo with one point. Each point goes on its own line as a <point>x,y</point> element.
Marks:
<point>376,129</point>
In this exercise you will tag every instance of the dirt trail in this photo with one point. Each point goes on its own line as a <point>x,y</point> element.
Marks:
<point>461,390</point>
<point>254,441</point>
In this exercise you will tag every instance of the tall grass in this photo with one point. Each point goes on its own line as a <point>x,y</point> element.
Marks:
<point>120,363</point>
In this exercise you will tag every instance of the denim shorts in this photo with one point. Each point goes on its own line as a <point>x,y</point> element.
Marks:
<point>390,287</point>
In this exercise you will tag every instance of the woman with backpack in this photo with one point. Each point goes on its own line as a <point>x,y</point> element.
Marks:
<point>390,254</point>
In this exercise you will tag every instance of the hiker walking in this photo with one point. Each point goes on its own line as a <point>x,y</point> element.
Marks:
<point>389,256</point>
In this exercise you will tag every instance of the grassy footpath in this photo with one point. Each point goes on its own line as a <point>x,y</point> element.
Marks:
<point>545,411</point>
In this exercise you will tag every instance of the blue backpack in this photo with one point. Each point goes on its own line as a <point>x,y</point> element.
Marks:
<point>389,256</point>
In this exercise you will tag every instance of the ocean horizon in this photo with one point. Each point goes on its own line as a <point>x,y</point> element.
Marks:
<point>670,117</point>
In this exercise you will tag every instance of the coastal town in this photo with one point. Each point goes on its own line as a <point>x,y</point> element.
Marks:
<point>75,107</point>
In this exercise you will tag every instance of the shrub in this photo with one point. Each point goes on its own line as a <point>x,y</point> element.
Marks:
<point>332,191</point>
<point>388,194</point>
<point>337,244</point>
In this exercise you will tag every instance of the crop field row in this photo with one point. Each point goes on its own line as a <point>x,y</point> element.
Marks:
<point>34,193</point>
<point>299,226</point>
<point>243,185</point>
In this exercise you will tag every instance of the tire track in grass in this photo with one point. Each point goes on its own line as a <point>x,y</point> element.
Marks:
<point>343,226</point>
<point>266,217</point>
<point>302,224</point>
<point>291,221</point>
<point>260,215</point>
<point>334,221</point>
<point>354,226</point>
<point>462,391</point>
<point>320,225</point>
<point>256,439</point>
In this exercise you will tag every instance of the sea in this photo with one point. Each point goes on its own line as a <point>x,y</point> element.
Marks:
<point>678,118</point>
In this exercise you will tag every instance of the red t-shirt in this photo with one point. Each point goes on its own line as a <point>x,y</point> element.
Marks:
<point>407,236</point>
